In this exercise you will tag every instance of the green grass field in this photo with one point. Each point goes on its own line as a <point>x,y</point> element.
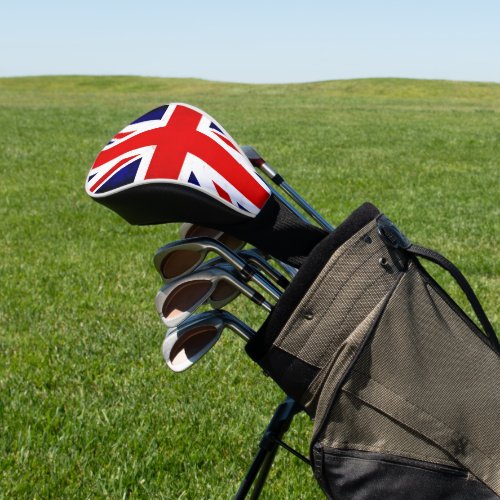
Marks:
<point>87,406</point>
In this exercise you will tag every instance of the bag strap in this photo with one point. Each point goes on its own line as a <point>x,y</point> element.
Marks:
<point>457,275</point>
<point>391,235</point>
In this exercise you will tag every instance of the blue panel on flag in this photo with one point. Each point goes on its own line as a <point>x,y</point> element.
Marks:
<point>124,176</point>
<point>156,114</point>
<point>215,127</point>
<point>242,208</point>
<point>90,177</point>
<point>192,179</point>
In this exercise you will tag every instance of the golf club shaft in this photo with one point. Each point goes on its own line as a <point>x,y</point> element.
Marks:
<point>253,295</point>
<point>247,270</point>
<point>290,270</point>
<point>189,230</point>
<point>238,326</point>
<point>303,203</point>
<point>256,258</point>
<point>288,204</point>
<point>266,285</point>
<point>258,162</point>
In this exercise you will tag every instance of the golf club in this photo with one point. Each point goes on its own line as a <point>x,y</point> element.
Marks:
<point>188,230</point>
<point>180,257</point>
<point>224,292</point>
<point>177,164</point>
<point>259,162</point>
<point>180,298</point>
<point>254,256</point>
<point>185,344</point>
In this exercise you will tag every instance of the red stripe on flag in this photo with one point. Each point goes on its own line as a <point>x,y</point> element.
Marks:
<point>226,140</point>
<point>223,194</point>
<point>121,135</point>
<point>111,171</point>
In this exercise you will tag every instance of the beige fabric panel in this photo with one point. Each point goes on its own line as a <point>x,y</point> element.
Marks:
<point>426,368</point>
<point>355,425</point>
<point>346,291</point>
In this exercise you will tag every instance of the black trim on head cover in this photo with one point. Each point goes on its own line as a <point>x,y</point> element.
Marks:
<point>262,342</point>
<point>159,203</point>
<point>275,230</point>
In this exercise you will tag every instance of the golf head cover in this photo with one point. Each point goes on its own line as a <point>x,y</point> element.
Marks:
<point>177,164</point>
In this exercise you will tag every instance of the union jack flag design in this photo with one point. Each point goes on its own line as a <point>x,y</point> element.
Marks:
<point>180,144</point>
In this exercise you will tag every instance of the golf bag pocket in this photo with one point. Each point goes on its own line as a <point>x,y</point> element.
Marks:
<point>401,384</point>
<point>349,474</point>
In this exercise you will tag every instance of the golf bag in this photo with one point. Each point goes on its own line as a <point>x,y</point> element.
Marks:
<point>403,387</point>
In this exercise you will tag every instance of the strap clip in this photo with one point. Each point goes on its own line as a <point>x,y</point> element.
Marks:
<point>390,234</point>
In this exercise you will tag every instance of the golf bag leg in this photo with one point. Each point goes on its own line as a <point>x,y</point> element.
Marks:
<point>268,446</point>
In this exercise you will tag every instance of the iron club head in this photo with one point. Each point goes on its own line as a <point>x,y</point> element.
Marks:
<point>180,258</point>
<point>185,344</point>
<point>178,299</point>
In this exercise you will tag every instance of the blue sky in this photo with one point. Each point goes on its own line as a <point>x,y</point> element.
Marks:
<point>253,41</point>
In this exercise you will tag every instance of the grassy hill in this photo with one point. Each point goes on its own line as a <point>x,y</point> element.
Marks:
<point>87,407</point>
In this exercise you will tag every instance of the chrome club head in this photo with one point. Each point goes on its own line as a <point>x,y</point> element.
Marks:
<point>178,299</point>
<point>179,258</point>
<point>185,344</point>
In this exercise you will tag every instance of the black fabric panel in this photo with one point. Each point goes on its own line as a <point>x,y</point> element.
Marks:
<point>161,203</point>
<point>293,375</point>
<point>278,231</point>
<point>357,475</point>
<point>318,258</point>
<point>275,230</point>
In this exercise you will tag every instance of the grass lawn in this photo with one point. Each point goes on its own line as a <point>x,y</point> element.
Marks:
<point>87,405</point>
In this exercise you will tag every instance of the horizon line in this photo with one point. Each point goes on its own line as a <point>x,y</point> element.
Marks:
<point>304,82</point>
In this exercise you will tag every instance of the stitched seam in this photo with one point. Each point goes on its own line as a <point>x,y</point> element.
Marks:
<point>411,404</point>
<point>313,297</point>
<point>335,260</point>
<point>325,369</point>
<point>362,293</point>
<point>340,445</point>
